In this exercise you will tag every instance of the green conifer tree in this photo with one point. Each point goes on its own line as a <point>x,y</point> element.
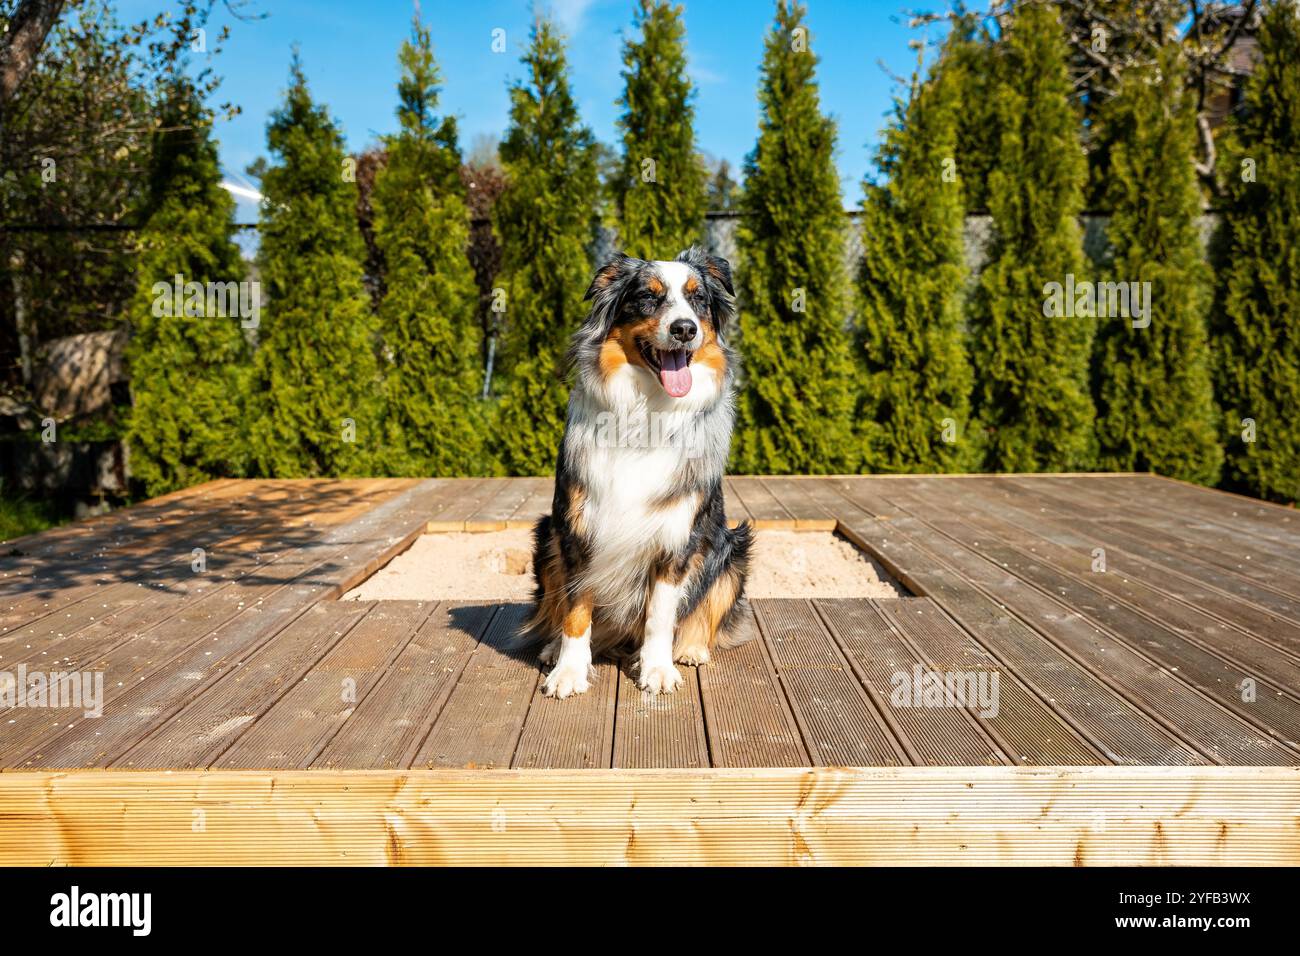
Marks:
<point>661,191</point>
<point>188,372</point>
<point>1151,373</point>
<point>968,58</point>
<point>1031,399</point>
<point>316,409</point>
<point>794,411</point>
<point>1257,319</point>
<point>428,315</point>
<point>914,405</point>
<point>544,219</point>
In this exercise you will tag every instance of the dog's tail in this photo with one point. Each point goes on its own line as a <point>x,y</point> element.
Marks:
<point>737,625</point>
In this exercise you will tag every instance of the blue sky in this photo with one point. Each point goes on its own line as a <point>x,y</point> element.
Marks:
<point>349,52</point>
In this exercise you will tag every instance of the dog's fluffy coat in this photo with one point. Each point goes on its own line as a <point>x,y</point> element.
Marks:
<point>636,551</point>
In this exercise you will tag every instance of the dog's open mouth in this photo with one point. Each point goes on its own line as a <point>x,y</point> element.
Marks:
<point>673,366</point>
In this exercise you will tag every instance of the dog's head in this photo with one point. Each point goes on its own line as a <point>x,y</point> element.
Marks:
<point>660,326</point>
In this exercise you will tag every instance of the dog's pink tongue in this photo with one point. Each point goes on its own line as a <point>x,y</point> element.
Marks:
<point>674,373</point>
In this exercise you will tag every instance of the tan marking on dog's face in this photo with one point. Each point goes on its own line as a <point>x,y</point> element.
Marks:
<point>612,355</point>
<point>654,284</point>
<point>621,347</point>
<point>691,286</point>
<point>710,353</point>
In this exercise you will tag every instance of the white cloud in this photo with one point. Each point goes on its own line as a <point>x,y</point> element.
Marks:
<point>570,14</point>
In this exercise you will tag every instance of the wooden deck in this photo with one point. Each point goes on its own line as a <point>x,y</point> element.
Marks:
<point>1132,622</point>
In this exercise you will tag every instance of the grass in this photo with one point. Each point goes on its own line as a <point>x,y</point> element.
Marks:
<point>20,515</point>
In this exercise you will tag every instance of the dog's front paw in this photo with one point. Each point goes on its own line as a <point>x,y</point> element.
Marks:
<point>659,678</point>
<point>566,679</point>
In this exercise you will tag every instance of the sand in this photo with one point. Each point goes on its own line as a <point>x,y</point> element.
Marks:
<point>497,565</point>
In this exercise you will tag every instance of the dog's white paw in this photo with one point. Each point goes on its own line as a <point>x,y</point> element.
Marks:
<point>567,679</point>
<point>659,678</point>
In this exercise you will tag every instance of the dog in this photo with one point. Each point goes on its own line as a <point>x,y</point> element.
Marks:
<point>636,554</point>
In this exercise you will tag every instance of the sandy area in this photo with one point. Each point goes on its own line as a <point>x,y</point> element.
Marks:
<point>815,564</point>
<point>497,565</point>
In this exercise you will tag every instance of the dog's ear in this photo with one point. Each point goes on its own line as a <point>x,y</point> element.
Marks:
<point>716,272</point>
<point>606,296</point>
<point>609,275</point>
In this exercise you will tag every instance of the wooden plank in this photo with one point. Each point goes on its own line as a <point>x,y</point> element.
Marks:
<point>1108,720</point>
<point>166,557</point>
<point>234,695</point>
<point>157,673</point>
<point>746,715</point>
<point>575,732</point>
<point>504,501</point>
<point>294,730</point>
<point>1024,726</point>
<point>842,723</point>
<point>389,723</point>
<point>793,495</point>
<point>483,717</point>
<point>1254,585</point>
<point>1213,664</point>
<point>127,657</point>
<point>159,664</point>
<point>907,816</point>
<point>762,505</point>
<point>462,497</point>
<point>1202,512</point>
<point>101,531</point>
<point>541,493</point>
<point>1270,578</point>
<point>1155,583</point>
<point>947,734</point>
<point>660,730</point>
<point>1110,668</point>
<point>731,503</point>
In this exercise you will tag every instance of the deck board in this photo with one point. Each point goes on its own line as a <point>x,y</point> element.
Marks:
<point>484,717</point>
<point>747,715</point>
<point>253,664</point>
<point>391,722</point>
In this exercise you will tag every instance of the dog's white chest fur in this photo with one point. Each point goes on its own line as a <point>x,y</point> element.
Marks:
<point>630,514</point>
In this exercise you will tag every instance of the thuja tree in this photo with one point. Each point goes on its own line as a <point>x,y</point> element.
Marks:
<point>1151,370</point>
<point>428,314</point>
<point>794,411</point>
<point>188,366</point>
<point>1031,397</point>
<point>661,190</point>
<point>544,219</point>
<point>914,403</point>
<point>1257,318</point>
<point>315,408</point>
<point>968,56</point>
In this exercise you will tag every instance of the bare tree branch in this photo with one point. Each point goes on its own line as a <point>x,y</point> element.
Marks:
<point>21,43</point>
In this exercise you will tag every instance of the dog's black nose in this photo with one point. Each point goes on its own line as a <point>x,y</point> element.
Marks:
<point>683,330</point>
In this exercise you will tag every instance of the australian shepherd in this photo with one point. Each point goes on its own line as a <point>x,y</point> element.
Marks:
<point>636,555</point>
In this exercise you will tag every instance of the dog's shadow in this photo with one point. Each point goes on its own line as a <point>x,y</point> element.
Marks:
<point>502,633</point>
